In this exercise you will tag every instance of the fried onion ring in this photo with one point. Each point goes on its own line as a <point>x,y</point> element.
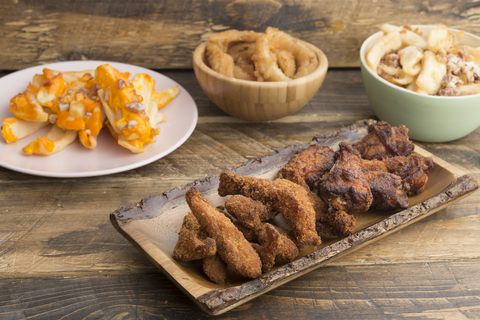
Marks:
<point>266,66</point>
<point>242,57</point>
<point>217,47</point>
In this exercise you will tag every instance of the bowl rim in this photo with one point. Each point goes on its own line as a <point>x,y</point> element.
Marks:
<point>321,69</point>
<point>422,96</point>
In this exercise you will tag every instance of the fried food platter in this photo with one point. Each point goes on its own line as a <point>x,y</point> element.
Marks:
<point>153,223</point>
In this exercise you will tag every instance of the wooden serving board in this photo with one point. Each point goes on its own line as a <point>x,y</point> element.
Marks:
<point>153,223</point>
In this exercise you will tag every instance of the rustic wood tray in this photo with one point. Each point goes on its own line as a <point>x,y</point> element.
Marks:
<point>152,225</point>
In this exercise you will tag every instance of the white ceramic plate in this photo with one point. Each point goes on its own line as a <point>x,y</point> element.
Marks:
<point>108,157</point>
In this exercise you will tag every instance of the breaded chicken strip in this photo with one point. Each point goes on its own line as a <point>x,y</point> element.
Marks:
<point>193,241</point>
<point>279,195</point>
<point>345,187</point>
<point>274,241</point>
<point>384,141</point>
<point>232,246</point>
<point>308,166</point>
<point>249,212</point>
<point>273,245</point>
<point>215,269</point>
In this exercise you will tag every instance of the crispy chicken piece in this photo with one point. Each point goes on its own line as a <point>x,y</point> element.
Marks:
<point>306,169</point>
<point>389,190</point>
<point>215,269</point>
<point>193,241</point>
<point>248,233</point>
<point>232,246</point>
<point>412,169</point>
<point>280,195</point>
<point>308,166</point>
<point>336,223</point>
<point>330,221</point>
<point>249,212</point>
<point>274,241</point>
<point>345,187</point>
<point>273,245</point>
<point>383,141</point>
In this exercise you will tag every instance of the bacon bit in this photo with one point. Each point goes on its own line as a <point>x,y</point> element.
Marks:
<point>52,118</point>
<point>120,84</point>
<point>132,124</point>
<point>106,96</point>
<point>83,91</point>
<point>135,107</point>
<point>450,92</point>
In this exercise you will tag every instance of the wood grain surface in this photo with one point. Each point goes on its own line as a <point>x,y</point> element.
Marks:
<point>60,257</point>
<point>164,34</point>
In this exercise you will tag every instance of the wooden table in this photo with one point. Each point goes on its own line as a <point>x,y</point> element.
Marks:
<point>60,257</point>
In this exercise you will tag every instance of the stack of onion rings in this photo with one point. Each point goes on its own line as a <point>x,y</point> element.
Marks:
<point>271,56</point>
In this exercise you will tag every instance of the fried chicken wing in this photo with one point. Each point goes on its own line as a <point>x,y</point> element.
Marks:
<point>232,246</point>
<point>389,190</point>
<point>280,195</point>
<point>215,269</point>
<point>193,241</point>
<point>330,221</point>
<point>336,223</point>
<point>345,187</point>
<point>383,141</point>
<point>249,212</point>
<point>412,169</point>
<point>308,166</point>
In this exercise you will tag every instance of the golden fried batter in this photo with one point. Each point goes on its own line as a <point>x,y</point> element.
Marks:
<point>383,141</point>
<point>336,223</point>
<point>193,242</point>
<point>273,245</point>
<point>248,233</point>
<point>215,269</point>
<point>279,195</point>
<point>345,187</point>
<point>308,166</point>
<point>249,212</point>
<point>232,246</point>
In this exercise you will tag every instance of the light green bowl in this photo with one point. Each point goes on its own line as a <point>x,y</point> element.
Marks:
<point>428,118</point>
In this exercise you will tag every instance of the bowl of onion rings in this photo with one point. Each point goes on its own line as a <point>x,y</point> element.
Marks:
<point>426,77</point>
<point>259,76</point>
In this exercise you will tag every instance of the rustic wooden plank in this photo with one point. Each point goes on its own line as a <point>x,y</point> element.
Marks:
<point>163,34</point>
<point>439,290</point>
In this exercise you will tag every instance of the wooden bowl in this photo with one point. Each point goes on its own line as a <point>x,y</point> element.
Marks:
<point>254,100</point>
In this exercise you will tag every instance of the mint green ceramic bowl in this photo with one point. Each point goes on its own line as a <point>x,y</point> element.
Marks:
<point>428,118</point>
